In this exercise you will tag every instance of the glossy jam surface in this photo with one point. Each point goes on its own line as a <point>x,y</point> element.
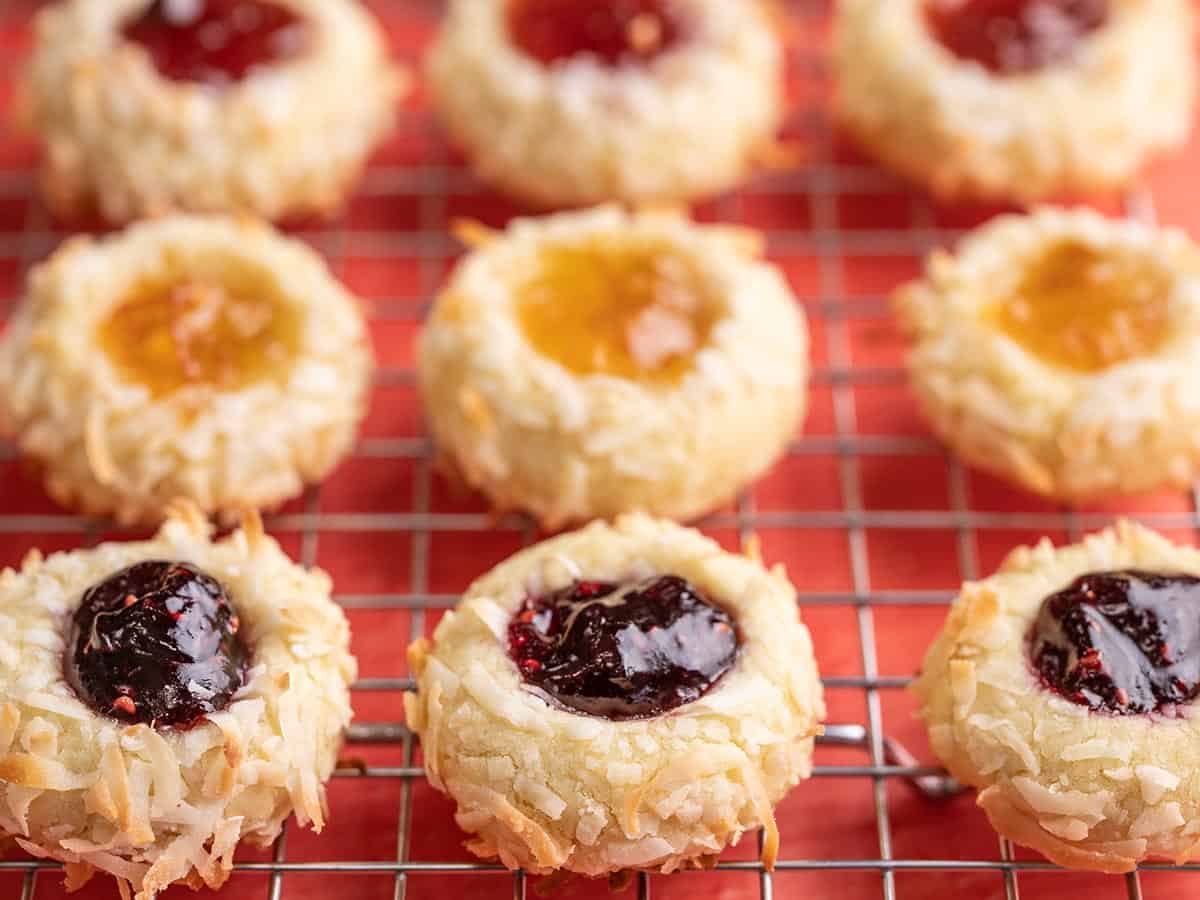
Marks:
<point>171,336</point>
<point>1124,642</point>
<point>1083,310</point>
<point>623,652</point>
<point>1011,37</point>
<point>631,312</point>
<point>156,643</point>
<point>217,42</point>
<point>612,31</point>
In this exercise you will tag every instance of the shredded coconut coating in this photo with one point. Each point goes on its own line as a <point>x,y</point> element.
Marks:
<point>949,124</point>
<point>288,140</point>
<point>691,122</point>
<point>1088,790</point>
<point>156,807</point>
<point>1131,427</point>
<point>109,446</point>
<point>532,435</point>
<point>545,789</point>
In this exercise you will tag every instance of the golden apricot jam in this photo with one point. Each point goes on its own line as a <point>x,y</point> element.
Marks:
<point>613,31</point>
<point>602,309</point>
<point>171,336</point>
<point>1015,36</point>
<point>1080,309</point>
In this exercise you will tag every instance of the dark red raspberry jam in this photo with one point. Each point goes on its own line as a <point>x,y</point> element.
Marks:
<point>623,652</point>
<point>1124,642</point>
<point>216,42</point>
<point>613,31</point>
<point>1015,36</point>
<point>156,643</point>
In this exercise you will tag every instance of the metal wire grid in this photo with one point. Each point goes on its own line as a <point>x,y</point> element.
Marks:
<point>820,186</point>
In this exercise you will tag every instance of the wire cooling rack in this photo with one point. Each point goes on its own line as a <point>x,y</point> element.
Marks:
<point>876,525</point>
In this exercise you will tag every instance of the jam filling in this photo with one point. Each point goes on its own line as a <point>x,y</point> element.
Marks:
<point>1011,37</point>
<point>631,312</point>
<point>171,336</point>
<point>217,42</point>
<point>623,652</point>
<point>156,643</point>
<point>1080,309</point>
<point>1122,642</point>
<point>612,31</point>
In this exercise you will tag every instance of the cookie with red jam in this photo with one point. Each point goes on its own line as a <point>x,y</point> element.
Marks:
<point>163,700</point>
<point>198,357</point>
<point>1016,100</point>
<point>566,103</point>
<point>268,107</point>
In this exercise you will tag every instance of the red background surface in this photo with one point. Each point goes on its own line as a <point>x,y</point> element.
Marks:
<point>876,525</point>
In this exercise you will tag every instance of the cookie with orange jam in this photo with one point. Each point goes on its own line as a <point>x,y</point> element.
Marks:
<point>575,102</point>
<point>1060,350</point>
<point>199,358</point>
<point>593,363</point>
<point>1016,99</point>
<point>268,107</point>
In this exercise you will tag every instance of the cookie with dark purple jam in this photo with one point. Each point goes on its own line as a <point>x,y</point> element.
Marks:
<point>623,651</point>
<point>156,643</point>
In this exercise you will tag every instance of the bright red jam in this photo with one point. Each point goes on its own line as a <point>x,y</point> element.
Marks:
<point>156,643</point>
<point>623,651</point>
<point>217,42</point>
<point>1015,36</point>
<point>613,31</point>
<point>1122,642</point>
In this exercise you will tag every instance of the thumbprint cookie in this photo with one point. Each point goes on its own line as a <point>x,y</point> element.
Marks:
<point>1061,350</point>
<point>188,357</point>
<point>1016,99</point>
<point>576,102</point>
<point>627,696</point>
<point>592,363</point>
<point>1064,688</point>
<point>266,107</point>
<point>161,701</point>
